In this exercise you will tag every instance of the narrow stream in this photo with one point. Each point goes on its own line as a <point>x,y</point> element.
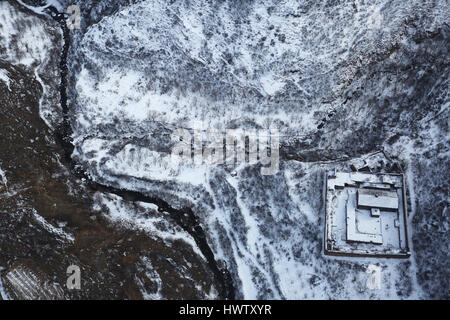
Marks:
<point>185,218</point>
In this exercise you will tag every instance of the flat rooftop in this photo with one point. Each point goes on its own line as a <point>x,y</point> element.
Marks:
<point>366,215</point>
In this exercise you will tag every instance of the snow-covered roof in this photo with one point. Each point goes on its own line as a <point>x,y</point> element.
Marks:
<point>366,215</point>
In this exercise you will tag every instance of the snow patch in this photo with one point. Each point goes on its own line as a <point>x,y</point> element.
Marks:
<point>52,229</point>
<point>271,84</point>
<point>5,78</point>
<point>119,213</point>
<point>3,176</point>
<point>3,293</point>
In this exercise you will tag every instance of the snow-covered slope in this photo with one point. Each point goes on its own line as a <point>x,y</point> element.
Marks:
<point>49,217</point>
<point>34,44</point>
<point>344,82</point>
<point>340,81</point>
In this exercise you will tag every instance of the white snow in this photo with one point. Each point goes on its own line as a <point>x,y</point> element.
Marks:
<point>272,244</point>
<point>270,84</point>
<point>27,41</point>
<point>33,43</point>
<point>4,179</point>
<point>41,9</point>
<point>52,229</point>
<point>118,212</point>
<point>3,293</point>
<point>153,276</point>
<point>5,78</point>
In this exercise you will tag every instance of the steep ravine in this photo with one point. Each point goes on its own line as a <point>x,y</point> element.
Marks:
<point>185,218</point>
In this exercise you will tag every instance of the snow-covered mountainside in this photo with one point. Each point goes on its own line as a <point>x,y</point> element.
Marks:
<point>344,82</point>
<point>50,219</point>
<point>35,45</point>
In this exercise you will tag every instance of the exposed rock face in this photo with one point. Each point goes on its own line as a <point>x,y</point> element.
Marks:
<point>344,82</point>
